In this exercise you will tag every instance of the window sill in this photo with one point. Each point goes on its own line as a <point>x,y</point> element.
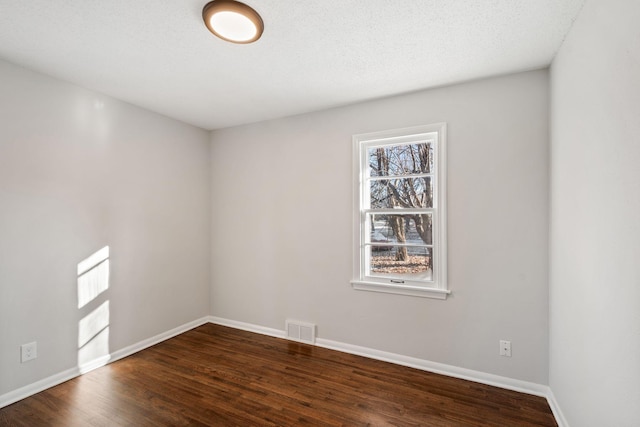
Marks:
<point>415,291</point>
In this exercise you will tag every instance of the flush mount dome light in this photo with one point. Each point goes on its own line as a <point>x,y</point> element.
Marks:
<point>232,21</point>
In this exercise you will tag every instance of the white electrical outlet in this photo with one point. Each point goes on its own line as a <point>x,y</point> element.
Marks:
<point>505,348</point>
<point>28,351</point>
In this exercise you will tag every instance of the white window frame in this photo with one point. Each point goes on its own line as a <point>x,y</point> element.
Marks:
<point>437,287</point>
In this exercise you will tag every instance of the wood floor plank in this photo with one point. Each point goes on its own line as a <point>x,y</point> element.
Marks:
<point>219,376</point>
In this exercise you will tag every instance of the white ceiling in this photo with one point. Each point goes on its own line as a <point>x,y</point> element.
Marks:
<point>314,54</point>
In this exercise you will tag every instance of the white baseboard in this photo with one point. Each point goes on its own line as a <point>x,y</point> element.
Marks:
<point>247,327</point>
<point>412,362</point>
<point>38,386</point>
<point>438,368</point>
<point>94,364</point>
<point>555,408</point>
<point>128,351</point>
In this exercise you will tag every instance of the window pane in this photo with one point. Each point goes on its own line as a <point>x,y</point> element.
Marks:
<point>400,263</point>
<point>401,159</point>
<point>415,229</point>
<point>401,192</point>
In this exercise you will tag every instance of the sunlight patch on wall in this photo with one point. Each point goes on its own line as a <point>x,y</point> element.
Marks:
<point>93,276</point>
<point>93,339</point>
<point>93,329</point>
<point>93,323</point>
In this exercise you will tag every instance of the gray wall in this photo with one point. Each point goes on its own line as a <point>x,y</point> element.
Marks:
<point>595,218</point>
<point>79,171</point>
<point>282,227</point>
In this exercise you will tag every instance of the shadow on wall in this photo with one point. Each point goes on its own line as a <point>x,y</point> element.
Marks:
<point>93,328</point>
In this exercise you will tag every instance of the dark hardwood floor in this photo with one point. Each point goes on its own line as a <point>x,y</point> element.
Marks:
<point>218,376</point>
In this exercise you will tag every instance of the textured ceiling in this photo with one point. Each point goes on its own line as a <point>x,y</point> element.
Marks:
<point>314,54</point>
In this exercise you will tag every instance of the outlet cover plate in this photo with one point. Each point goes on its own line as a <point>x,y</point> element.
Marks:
<point>28,351</point>
<point>505,348</point>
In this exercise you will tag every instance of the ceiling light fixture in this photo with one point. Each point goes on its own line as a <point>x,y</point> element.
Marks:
<point>232,21</point>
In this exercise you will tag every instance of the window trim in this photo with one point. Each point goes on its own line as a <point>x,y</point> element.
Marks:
<point>439,289</point>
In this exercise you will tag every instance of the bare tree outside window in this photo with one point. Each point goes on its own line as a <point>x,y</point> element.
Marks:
<point>401,178</point>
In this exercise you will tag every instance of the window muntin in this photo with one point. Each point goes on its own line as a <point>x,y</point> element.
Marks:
<point>399,218</point>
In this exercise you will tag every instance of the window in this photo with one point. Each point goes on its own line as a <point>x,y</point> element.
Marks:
<point>400,211</point>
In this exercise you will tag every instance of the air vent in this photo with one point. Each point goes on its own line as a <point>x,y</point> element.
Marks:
<point>301,331</point>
